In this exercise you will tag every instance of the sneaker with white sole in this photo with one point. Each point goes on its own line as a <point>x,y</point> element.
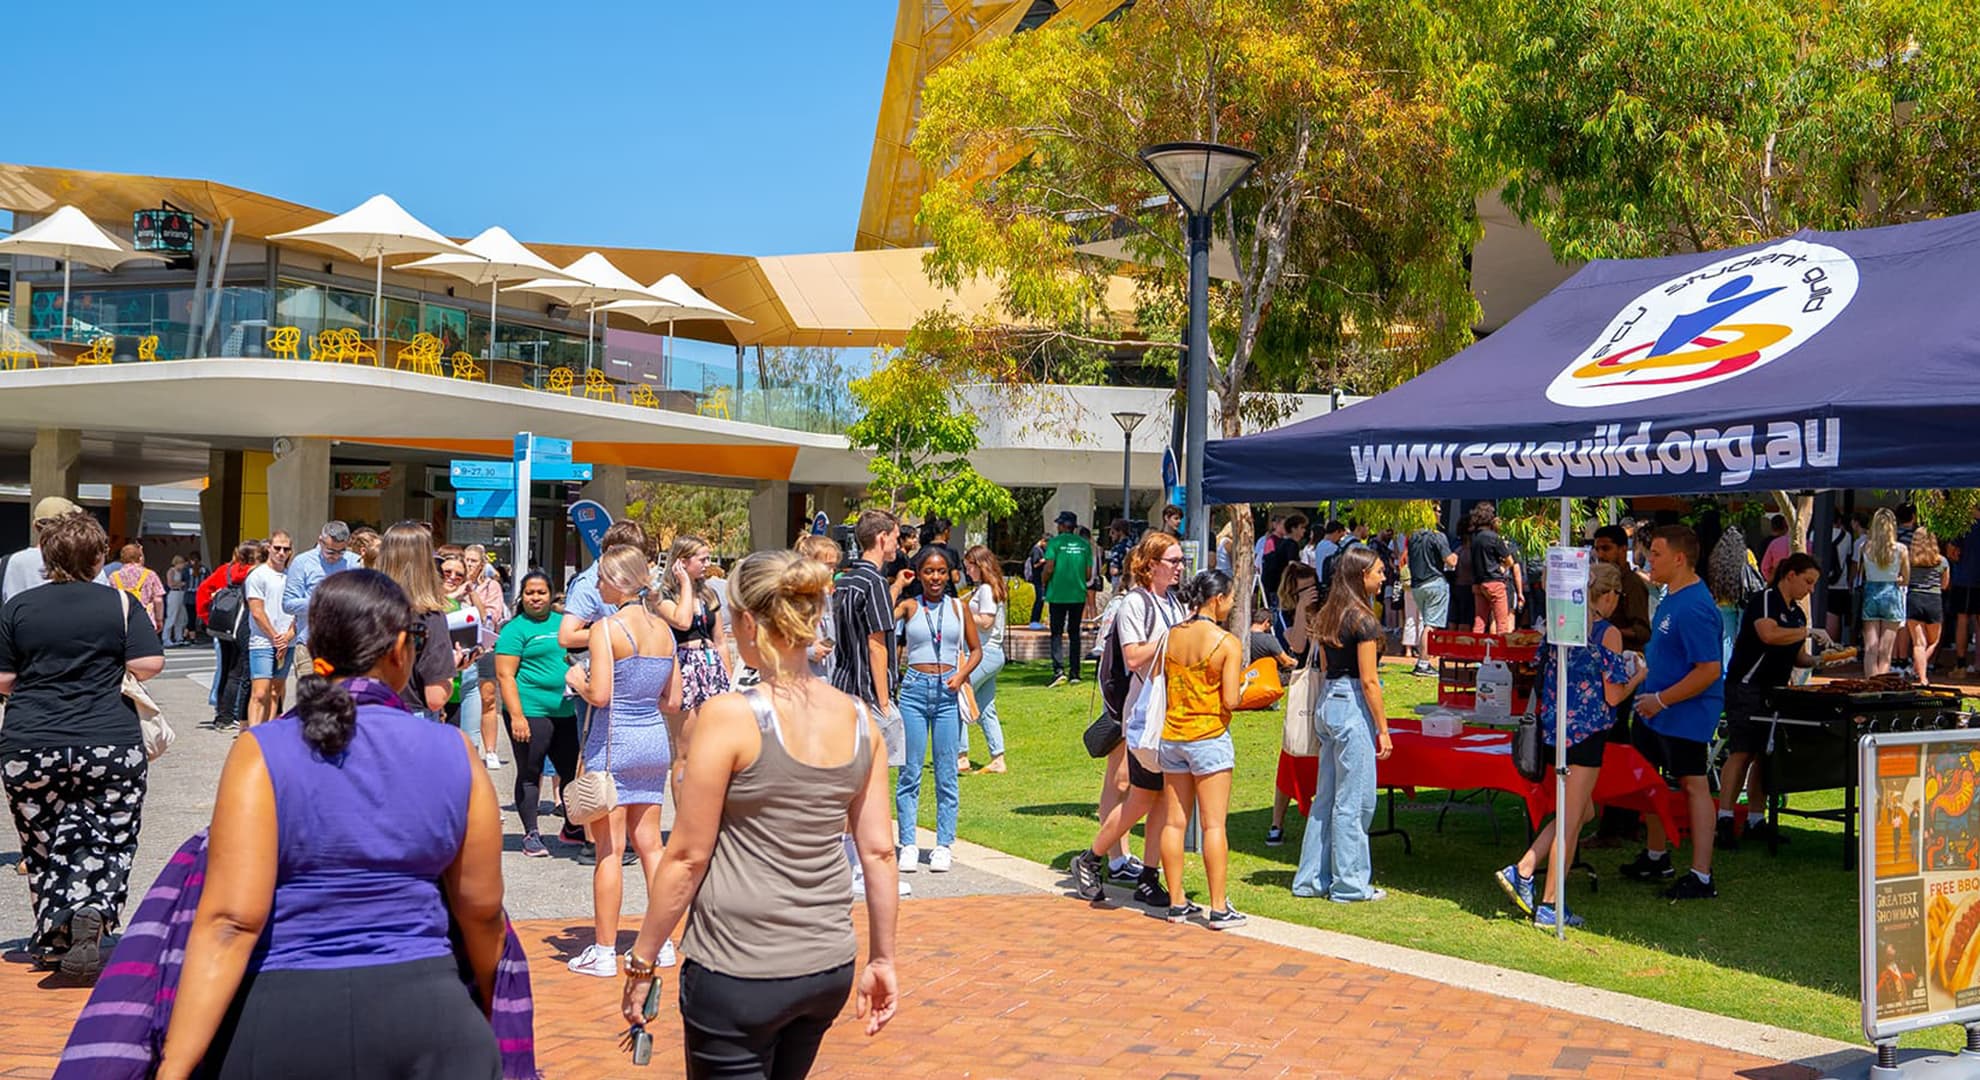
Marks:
<point>940,861</point>
<point>910,859</point>
<point>596,960</point>
<point>1225,919</point>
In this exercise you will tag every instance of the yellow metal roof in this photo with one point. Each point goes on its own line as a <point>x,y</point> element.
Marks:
<point>862,299</point>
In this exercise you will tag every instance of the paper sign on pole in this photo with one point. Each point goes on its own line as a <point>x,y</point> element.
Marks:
<point>1567,595</point>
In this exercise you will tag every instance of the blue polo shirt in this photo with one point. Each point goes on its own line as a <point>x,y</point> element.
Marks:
<point>1683,634</point>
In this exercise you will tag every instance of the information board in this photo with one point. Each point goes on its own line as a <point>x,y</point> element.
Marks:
<point>1567,596</point>
<point>1920,883</point>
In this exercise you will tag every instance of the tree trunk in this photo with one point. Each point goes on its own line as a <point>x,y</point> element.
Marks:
<point>1241,535</point>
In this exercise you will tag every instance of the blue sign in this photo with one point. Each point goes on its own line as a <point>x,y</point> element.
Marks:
<point>543,448</point>
<point>820,524</point>
<point>553,471</point>
<point>485,504</point>
<point>591,520</point>
<point>490,475</point>
<point>1171,475</point>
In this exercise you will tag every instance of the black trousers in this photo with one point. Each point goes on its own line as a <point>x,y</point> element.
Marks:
<point>1066,624</point>
<point>232,674</point>
<point>757,1029</point>
<point>551,738</point>
<point>77,809</point>
<point>410,1021</point>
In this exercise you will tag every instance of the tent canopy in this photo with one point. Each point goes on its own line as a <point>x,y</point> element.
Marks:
<point>1824,360</point>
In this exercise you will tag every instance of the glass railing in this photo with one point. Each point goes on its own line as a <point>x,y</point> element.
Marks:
<point>806,392</point>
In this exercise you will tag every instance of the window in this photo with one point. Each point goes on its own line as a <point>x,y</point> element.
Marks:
<point>1041,13</point>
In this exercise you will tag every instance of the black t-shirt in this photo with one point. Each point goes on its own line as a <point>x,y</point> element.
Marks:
<point>861,607</point>
<point>1488,557</point>
<point>1343,661</point>
<point>434,666</point>
<point>1279,551</point>
<point>66,643</point>
<point>1427,551</point>
<point>1754,662</point>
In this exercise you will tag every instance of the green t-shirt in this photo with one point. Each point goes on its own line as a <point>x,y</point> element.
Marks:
<point>1072,564</point>
<point>540,678</point>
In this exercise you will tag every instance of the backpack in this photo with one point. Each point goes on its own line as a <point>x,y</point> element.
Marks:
<point>227,615</point>
<point>1327,567</point>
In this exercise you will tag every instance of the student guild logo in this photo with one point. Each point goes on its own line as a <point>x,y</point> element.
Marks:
<point>1710,325</point>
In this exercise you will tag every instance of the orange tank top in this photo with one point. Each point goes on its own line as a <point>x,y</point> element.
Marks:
<point>1196,700</point>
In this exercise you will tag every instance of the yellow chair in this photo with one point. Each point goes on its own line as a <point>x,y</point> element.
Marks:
<point>559,381</point>
<point>598,388</point>
<point>327,347</point>
<point>355,349</point>
<point>465,367</point>
<point>14,349</point>
<point>422,353</point>
<point>643,395</point>
<point>284,342</point>
<point>148,347</point>
<point>101,351</point>
<point>716,403</point>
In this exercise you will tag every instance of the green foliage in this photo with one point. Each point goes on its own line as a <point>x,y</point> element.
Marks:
<point>921,444</point>
<point>1403,515</point>
<point>1534,525</point>
<point>717,515</point>
<point>1022,595</point>
<point>1648,128</point>
<point>1949,514</point>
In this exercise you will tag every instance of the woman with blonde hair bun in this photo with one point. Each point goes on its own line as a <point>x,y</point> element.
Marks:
<point>629,679</point>
<point>779,771</point>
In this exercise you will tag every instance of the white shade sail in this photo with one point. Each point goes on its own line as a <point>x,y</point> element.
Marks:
<point>678,302</point>
<point>68,234</point>
<point>377,228</point>
<point>590,281</point>
<point>492,256</point>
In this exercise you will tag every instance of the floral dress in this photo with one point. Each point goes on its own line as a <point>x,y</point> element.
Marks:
<point>1588,708</point>
<point>703,674</point>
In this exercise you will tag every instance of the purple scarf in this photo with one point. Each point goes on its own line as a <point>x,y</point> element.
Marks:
<point>120,1034</point>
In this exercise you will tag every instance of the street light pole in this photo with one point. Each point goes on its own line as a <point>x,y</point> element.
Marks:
<point>1128,421</point>
<point>1200,176</point>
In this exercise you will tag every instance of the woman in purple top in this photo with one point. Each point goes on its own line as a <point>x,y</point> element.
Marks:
<point>320,947</point>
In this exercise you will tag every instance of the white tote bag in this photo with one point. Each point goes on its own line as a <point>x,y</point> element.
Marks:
<point>1150,711</point>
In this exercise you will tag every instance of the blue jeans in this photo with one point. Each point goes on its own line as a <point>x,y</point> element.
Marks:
<point>1333,856</point>
<point>928,711</point>
<point>983,680</point>
<point>469,716</point>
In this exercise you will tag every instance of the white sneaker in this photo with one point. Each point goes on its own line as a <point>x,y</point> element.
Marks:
<point>910,858</point>
<point>907,890</point>
<point>491,761</point>
<point>596,960</point>
<point>666,957</point>
<point>940,860</point>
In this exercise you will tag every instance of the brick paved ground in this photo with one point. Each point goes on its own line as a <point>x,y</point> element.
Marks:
<point>1044,986</point>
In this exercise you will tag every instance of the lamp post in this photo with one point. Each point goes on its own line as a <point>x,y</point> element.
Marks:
<point>1128,421</point>
<point>1200,176</point>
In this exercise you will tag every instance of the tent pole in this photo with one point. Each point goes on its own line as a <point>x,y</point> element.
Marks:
<point>1560,865</point>
<point>494,290</point>
<point>65,299</point>
<point>590,331</point>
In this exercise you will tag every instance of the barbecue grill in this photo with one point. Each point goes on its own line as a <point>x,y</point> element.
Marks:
<point>1814,734</point>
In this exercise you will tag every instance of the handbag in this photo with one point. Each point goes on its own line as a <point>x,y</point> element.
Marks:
<point>1528,753</point>
<point>1150,712</point>
<point>1262,685</point>
<point>1102,735</point>
<point>594,793</point>
<point>158,733</point>
<point>1301,738</point>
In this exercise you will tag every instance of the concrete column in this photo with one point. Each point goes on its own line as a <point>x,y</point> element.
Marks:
<point>1075,497</point>
<point>832,500</point>
<point>55,464</point>
<point>607,488</point>
<point>393,503</point>
<point>299,489</point>
<point>770,515</point>
<point>126,514</point>
<point>220,507</point>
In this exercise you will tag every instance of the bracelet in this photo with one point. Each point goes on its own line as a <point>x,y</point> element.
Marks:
<point>1658,697</point>
<point>637,968</point>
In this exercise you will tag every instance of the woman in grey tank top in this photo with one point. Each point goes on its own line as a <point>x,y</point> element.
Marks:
<point>778,772</point>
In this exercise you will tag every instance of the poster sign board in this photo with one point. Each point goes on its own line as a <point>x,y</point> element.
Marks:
<point>1567,596</point>
<point>1920,883</point>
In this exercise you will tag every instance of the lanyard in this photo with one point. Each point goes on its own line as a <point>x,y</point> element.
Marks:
<point>934,627</point>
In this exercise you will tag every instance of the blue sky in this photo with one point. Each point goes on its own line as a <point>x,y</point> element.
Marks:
<point>736,127</point>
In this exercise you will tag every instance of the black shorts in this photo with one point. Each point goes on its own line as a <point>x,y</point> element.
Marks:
<point>1925,607</point>
<point>1745,735</point>
<point>1968,599</point>
<point>1677,758</point>
<point>1842,604</point>
<point>1586,754</point>
<point>1139,777</point>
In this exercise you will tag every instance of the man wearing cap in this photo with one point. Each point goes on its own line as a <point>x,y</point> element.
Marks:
<point>24,567</point>
<point>1068,564</point>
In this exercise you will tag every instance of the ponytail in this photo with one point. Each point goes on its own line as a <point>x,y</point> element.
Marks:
<point>328,715</point>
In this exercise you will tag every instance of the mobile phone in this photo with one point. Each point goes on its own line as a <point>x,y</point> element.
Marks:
<point>652,1006</point>
<point>642,1047</point>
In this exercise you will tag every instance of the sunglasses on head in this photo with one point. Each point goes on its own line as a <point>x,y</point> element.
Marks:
<point>416,633</point>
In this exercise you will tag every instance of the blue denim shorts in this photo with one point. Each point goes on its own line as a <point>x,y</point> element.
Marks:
<point>261,662</point>
<point>1200,757</point>
<point>1883,601</point>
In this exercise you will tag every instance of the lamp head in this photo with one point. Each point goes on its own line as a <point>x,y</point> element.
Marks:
<point>1200,175</point>
<point>1129,420</point>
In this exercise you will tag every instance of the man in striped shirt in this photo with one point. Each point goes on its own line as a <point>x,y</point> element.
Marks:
<point>863,654</point>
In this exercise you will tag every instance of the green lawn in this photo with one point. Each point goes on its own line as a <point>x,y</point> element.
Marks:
<point>1778,946</point>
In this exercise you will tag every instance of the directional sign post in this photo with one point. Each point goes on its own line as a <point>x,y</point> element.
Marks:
<point>482,475</point>
<point>500,489</point>
<point>489,503</point>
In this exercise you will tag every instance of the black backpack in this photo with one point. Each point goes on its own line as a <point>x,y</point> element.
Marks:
<point>227,615</point>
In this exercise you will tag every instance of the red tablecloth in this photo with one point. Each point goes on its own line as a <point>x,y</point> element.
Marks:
<point>1461,763</point>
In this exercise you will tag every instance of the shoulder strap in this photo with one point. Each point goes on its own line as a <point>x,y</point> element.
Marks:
<point>766,717</point>
<point>859,737</point>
